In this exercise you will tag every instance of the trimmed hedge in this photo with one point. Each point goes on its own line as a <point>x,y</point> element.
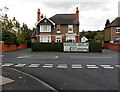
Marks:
<point>47,47</point>
<point>93,47</point>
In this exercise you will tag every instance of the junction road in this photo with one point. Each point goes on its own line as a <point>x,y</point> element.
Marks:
<point>68,71</point>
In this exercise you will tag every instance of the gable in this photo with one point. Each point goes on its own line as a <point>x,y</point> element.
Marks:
<point>45,21</point>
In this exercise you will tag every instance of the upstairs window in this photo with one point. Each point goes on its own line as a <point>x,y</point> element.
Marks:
<point>45,28</point>
<point>58,28</point>
<point>118,30</point>
<point>70,28</point>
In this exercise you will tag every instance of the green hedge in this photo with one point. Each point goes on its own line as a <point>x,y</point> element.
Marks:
<point>47,47</point>
<point>93,47</point>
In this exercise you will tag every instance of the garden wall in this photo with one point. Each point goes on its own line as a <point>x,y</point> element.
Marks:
<point>115,47</point>
<point>5,48</point>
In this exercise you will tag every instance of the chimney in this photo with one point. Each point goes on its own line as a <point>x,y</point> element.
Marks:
<point>41,16</point>
<point>77,14</point>
<point>6,17</point>
<point>14,19</point>
<point>38,15</point>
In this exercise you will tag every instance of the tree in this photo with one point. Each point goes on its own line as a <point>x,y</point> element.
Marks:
<point>26,32</point>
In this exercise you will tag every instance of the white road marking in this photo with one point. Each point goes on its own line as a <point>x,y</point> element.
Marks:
<point>2,55</point>
<point>56,57</point>
<point>4,80</point>
<point>118,66</point>
<point>24,56</point>
<point>108,67</point>
<point>75,66</point>
<point>92,67</point>
<point>7,64</point>
<point>20,65</point>
<point>48,65</point>
<point>62,66</point>
<point>33,65</point>
<point>105,65</point>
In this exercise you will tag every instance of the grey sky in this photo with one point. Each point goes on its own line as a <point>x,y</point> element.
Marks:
<point>92,14</point>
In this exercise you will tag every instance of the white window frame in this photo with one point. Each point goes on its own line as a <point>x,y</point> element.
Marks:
<point>70,37</point>
<point>118,30</point>
<point>42,38</point>
<point>58,27</point>
<point>69,27</point>
<point>117,37</point>
<point>58,38</point>
<point>48,28</point>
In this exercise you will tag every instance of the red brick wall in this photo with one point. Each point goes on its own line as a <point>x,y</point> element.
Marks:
<point>38,38</point>
<point>77,38</point>
<point>115,47</point>
<point>5,48</point>
<point>53,38</point>
<point>63,38</point>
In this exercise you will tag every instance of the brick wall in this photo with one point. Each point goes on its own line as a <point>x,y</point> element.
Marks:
<point>115,47</point>
<point>5,48</point>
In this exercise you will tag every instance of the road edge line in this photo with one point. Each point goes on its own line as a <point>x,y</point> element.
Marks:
<point>45,84</point>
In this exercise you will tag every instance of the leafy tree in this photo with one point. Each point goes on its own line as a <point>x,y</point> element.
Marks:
<point>8,37</point>
<point>26,32</point>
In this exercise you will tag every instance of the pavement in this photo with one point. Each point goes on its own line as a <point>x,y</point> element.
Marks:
<point>13,80</point>
<point>68,71</point>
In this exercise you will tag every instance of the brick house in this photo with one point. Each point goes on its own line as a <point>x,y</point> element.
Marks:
<point>58,28</point>
<point>112,30</point>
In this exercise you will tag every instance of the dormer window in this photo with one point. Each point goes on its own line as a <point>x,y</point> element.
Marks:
<point>58,28</point>
<point>70,28</point>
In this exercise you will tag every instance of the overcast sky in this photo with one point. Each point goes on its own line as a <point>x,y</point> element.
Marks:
<point>93,13</point>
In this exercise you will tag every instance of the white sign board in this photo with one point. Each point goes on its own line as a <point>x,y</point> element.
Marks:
<point>76,47</point>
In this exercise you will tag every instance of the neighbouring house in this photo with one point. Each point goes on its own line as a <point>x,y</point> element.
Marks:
<point>14,22</point>
<point>112,30</point>
<point>58,28</point>
<point>84,39</point>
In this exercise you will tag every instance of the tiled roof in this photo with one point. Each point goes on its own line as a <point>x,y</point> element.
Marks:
<point>64,19</point>
<point>114,23</point>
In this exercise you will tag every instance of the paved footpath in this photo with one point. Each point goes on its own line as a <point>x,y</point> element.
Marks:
<point>13,79</point>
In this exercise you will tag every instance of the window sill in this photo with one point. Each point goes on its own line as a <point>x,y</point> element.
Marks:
<point>70,31</point>
<point>58,32</point>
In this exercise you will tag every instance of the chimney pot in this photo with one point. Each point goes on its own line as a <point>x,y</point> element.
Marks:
<point>77,13</point>
<point>41,16</point>
<point>38,15</point>
<point>6,16</point>
<point>14,19</point>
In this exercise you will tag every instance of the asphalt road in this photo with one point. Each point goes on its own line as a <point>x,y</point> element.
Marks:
<point>68,71</point>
